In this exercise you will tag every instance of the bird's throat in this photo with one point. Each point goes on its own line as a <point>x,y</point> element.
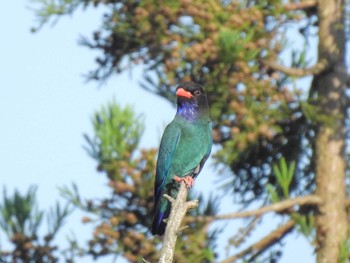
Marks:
<point>188,111</point>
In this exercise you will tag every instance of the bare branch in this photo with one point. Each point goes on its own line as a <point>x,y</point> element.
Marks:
<point>264,243</point>
<point>276,207</point>
<point>300,6</point>
<point>179,207</point>
<point>171,200</point>
<point>243,233</point>
<point>298,72</point>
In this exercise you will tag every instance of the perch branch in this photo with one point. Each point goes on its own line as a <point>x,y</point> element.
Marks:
<point>276,207</point>
<point>264,243</point>
<point>179,207</point>
<point>298,72</point>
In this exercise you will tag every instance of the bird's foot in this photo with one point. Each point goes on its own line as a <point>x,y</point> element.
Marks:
<point>188,180</point>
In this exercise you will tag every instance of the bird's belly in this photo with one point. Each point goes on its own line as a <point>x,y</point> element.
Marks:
<point>188,155</point>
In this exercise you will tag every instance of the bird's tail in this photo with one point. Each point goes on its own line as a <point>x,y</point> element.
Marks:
<point>161,212</point>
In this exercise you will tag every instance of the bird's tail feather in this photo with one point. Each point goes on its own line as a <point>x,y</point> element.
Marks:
<point>158,225</point>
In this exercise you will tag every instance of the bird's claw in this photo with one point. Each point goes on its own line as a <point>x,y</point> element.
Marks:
<point>188,180</point>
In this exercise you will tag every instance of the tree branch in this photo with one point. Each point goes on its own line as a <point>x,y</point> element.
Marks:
<point>265,242</point>
<point>348,81</point>
<point>179,207</point>
<point>243,233</point>
<point>300,6</point>
<point>298,72</point>
<point>276,207</point>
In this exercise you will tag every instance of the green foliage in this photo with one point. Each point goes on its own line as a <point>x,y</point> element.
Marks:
<point>305,224</point>
<point>117,133</point>
<point>46,9</point>
<point>20,214</point>
<point>21,219</point>
<point>314,113</point>
<point>231,45</point>
<point>257,118</point>
<point>284,174</point>
<point>272,193</point>
<point>344,251</point>
<point>304,217</point>
<point>299,58</point>
<point>56,218</point>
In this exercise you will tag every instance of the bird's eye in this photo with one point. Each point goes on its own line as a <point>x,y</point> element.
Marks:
<point>197,92</point>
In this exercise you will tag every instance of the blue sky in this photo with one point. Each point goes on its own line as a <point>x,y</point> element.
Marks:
<point>45,107</point>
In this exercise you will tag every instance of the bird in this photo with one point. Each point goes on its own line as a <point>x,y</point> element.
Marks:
<point>184,148</point>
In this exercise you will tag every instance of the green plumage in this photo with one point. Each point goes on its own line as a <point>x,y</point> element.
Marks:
<point>184,148</point>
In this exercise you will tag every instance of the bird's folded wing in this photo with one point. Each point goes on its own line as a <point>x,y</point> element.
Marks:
<point>167,149</point>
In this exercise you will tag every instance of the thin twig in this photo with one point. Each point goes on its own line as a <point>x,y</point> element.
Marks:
<point>243,233</point>
<point>264,243</point>
<point>298,72</point>
<point>179,207</point>
<point>276,207</point>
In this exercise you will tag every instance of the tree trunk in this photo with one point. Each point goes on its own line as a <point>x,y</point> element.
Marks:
<point>331,222</point>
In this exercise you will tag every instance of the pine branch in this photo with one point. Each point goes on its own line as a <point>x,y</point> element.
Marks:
<point>300,6</point>
<point>264,243</point>
<point>243,233</point>
<point>276,207</point>
<point>179,207</point>
<point>298,72</point>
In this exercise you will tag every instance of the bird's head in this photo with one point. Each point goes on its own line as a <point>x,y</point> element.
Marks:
<point>191,97</point>
<point>190,91</point>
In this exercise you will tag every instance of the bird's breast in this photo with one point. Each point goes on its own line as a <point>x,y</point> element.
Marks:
<point>192,147</point>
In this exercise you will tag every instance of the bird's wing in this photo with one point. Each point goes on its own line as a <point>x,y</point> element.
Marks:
<point>205,155</point>
<point>210,144</point>
<point>167,149</point>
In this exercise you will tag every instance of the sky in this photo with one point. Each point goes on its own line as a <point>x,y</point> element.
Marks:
<point>46,106</point>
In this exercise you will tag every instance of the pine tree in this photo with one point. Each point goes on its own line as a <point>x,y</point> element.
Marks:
<point>284,144</point>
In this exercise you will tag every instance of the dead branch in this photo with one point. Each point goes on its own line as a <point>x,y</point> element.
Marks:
<point>276,207</point>
<point>264,243</point>
<point>179,207</point>
<point>298,72</point>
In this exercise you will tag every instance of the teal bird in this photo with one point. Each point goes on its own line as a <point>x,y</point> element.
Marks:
<point>184,148</point>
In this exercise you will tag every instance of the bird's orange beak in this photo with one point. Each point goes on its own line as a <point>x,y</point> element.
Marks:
<point>183,93</point>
